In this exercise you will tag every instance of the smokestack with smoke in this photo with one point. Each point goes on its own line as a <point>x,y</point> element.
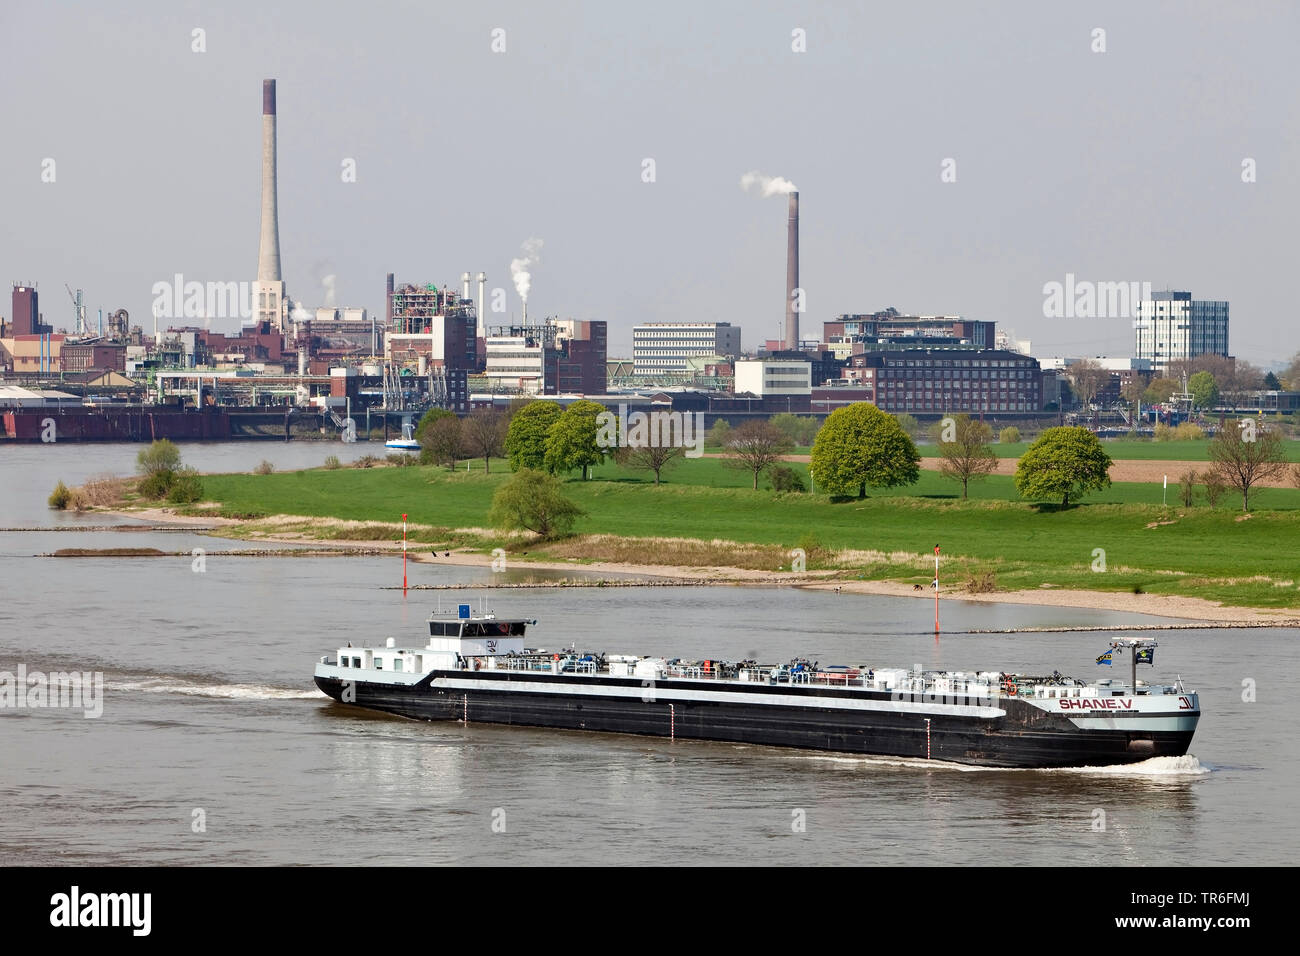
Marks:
<point>519,270</point>
<point>328,283</point>
<point>792,274</point>
<point>768,186</point>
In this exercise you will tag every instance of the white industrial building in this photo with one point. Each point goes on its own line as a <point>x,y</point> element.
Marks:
<point>765,377</point>
<point>663,348</point>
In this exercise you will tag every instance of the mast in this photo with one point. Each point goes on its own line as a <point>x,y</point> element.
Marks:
<point>1133,647</point>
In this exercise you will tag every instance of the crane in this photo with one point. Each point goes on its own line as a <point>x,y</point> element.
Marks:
<point>81,309</point>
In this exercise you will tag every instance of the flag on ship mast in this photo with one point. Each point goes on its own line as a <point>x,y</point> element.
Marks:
<point>1106,658</point>
<point>1146,655</point>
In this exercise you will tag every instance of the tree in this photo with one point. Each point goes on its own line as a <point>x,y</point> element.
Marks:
<point>1187,487</point>
<point>427,419</point>
<point>484,435</point>
<point>160,457</point>
<point>1088,378</point>
<point>1158,392</point>
<point>158,464</point>
<point>1009,435</point>
<point>1245,454</point>
<point>526,436</point>
<point>442,440</point>
<point>755,446</point>
<point>648,457</point>
<point>908,424</point>
<point>1214,488</point>
<point>718,432</point>
<point>1204,389</point>
<point>571,442</point>
<point>533,501</point>
<point>1291,376</point>
<point>1272,383</point>
<point>1066,462</point>
<point>799,429</point>
<point>968,456</point>
<point>861,447</point>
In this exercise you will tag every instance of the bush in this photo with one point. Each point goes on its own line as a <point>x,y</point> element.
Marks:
<point>264,467</point>
<point>365,461</point>
<point>403,460</point>
<point>1009,435</point>
<point>1215,487</point>
<point>1184,432</point>
<point>160,457</point>
<point>332,462</point>
<point>812,546</point>
<point>1187,487</point>
<point>784,478</point>
<point>157,485</point>
<point>60,496</point>
<point>102,491</point>
<point>186,487</point>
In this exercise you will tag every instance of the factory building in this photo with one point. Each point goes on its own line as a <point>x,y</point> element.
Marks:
<point>664,348</point>
<point>25,319</point>
<point>855,334</point>
<point>554,358</point>
<point>773,376</point>
<point>939,381</point>
<point>432,325</point>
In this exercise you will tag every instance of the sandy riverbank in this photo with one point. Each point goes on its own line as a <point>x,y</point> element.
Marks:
<point>1162,605</point>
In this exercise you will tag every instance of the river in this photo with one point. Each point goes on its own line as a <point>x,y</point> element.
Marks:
<point>215,748</point>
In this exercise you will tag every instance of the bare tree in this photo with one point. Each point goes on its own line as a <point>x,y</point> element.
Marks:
<point>1187,487</point>
<point>1089,379</point>
<point>1244,454</point>
<point>754,446</point>
<point>442,440</point>
<point>653,458</point>
<point>483,434</point>
<point>967,456</point>
<point>1291,377</point>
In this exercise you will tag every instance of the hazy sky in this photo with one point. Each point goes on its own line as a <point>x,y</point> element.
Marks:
<point>1117,166</point>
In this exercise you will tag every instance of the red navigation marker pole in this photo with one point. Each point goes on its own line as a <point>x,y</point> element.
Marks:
<point>936,626</point>
<point>936,590</point>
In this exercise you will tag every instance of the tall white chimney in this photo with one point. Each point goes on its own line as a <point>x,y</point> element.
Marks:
<point>482,315</point>
<point>268,305</point>
<point>464,281</point>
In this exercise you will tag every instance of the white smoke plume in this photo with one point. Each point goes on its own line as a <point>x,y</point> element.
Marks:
<point>328,283</point>
<point>298,313</point>
<point>768,186</point>
<point>532,249</point>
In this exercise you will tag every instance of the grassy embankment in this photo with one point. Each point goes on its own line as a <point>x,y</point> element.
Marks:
<point>1204,552</point>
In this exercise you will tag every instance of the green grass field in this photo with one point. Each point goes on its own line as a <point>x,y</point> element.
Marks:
<point>1200,551</point>
<point>1122,448</point>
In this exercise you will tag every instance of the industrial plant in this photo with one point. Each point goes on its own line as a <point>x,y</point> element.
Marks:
<point>298,369</point>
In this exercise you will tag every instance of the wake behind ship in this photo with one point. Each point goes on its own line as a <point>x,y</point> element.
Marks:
<point>476,668</point>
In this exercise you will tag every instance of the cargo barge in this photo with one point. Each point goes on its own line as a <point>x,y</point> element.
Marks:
<point>476,668</point>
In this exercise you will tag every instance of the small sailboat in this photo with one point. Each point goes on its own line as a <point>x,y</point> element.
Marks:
<point>407,442</point>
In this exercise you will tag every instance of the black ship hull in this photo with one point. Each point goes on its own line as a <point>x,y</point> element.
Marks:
<point>1016,735</point>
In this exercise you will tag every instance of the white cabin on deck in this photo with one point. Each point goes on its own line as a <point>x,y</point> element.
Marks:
<point>453,642</point>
